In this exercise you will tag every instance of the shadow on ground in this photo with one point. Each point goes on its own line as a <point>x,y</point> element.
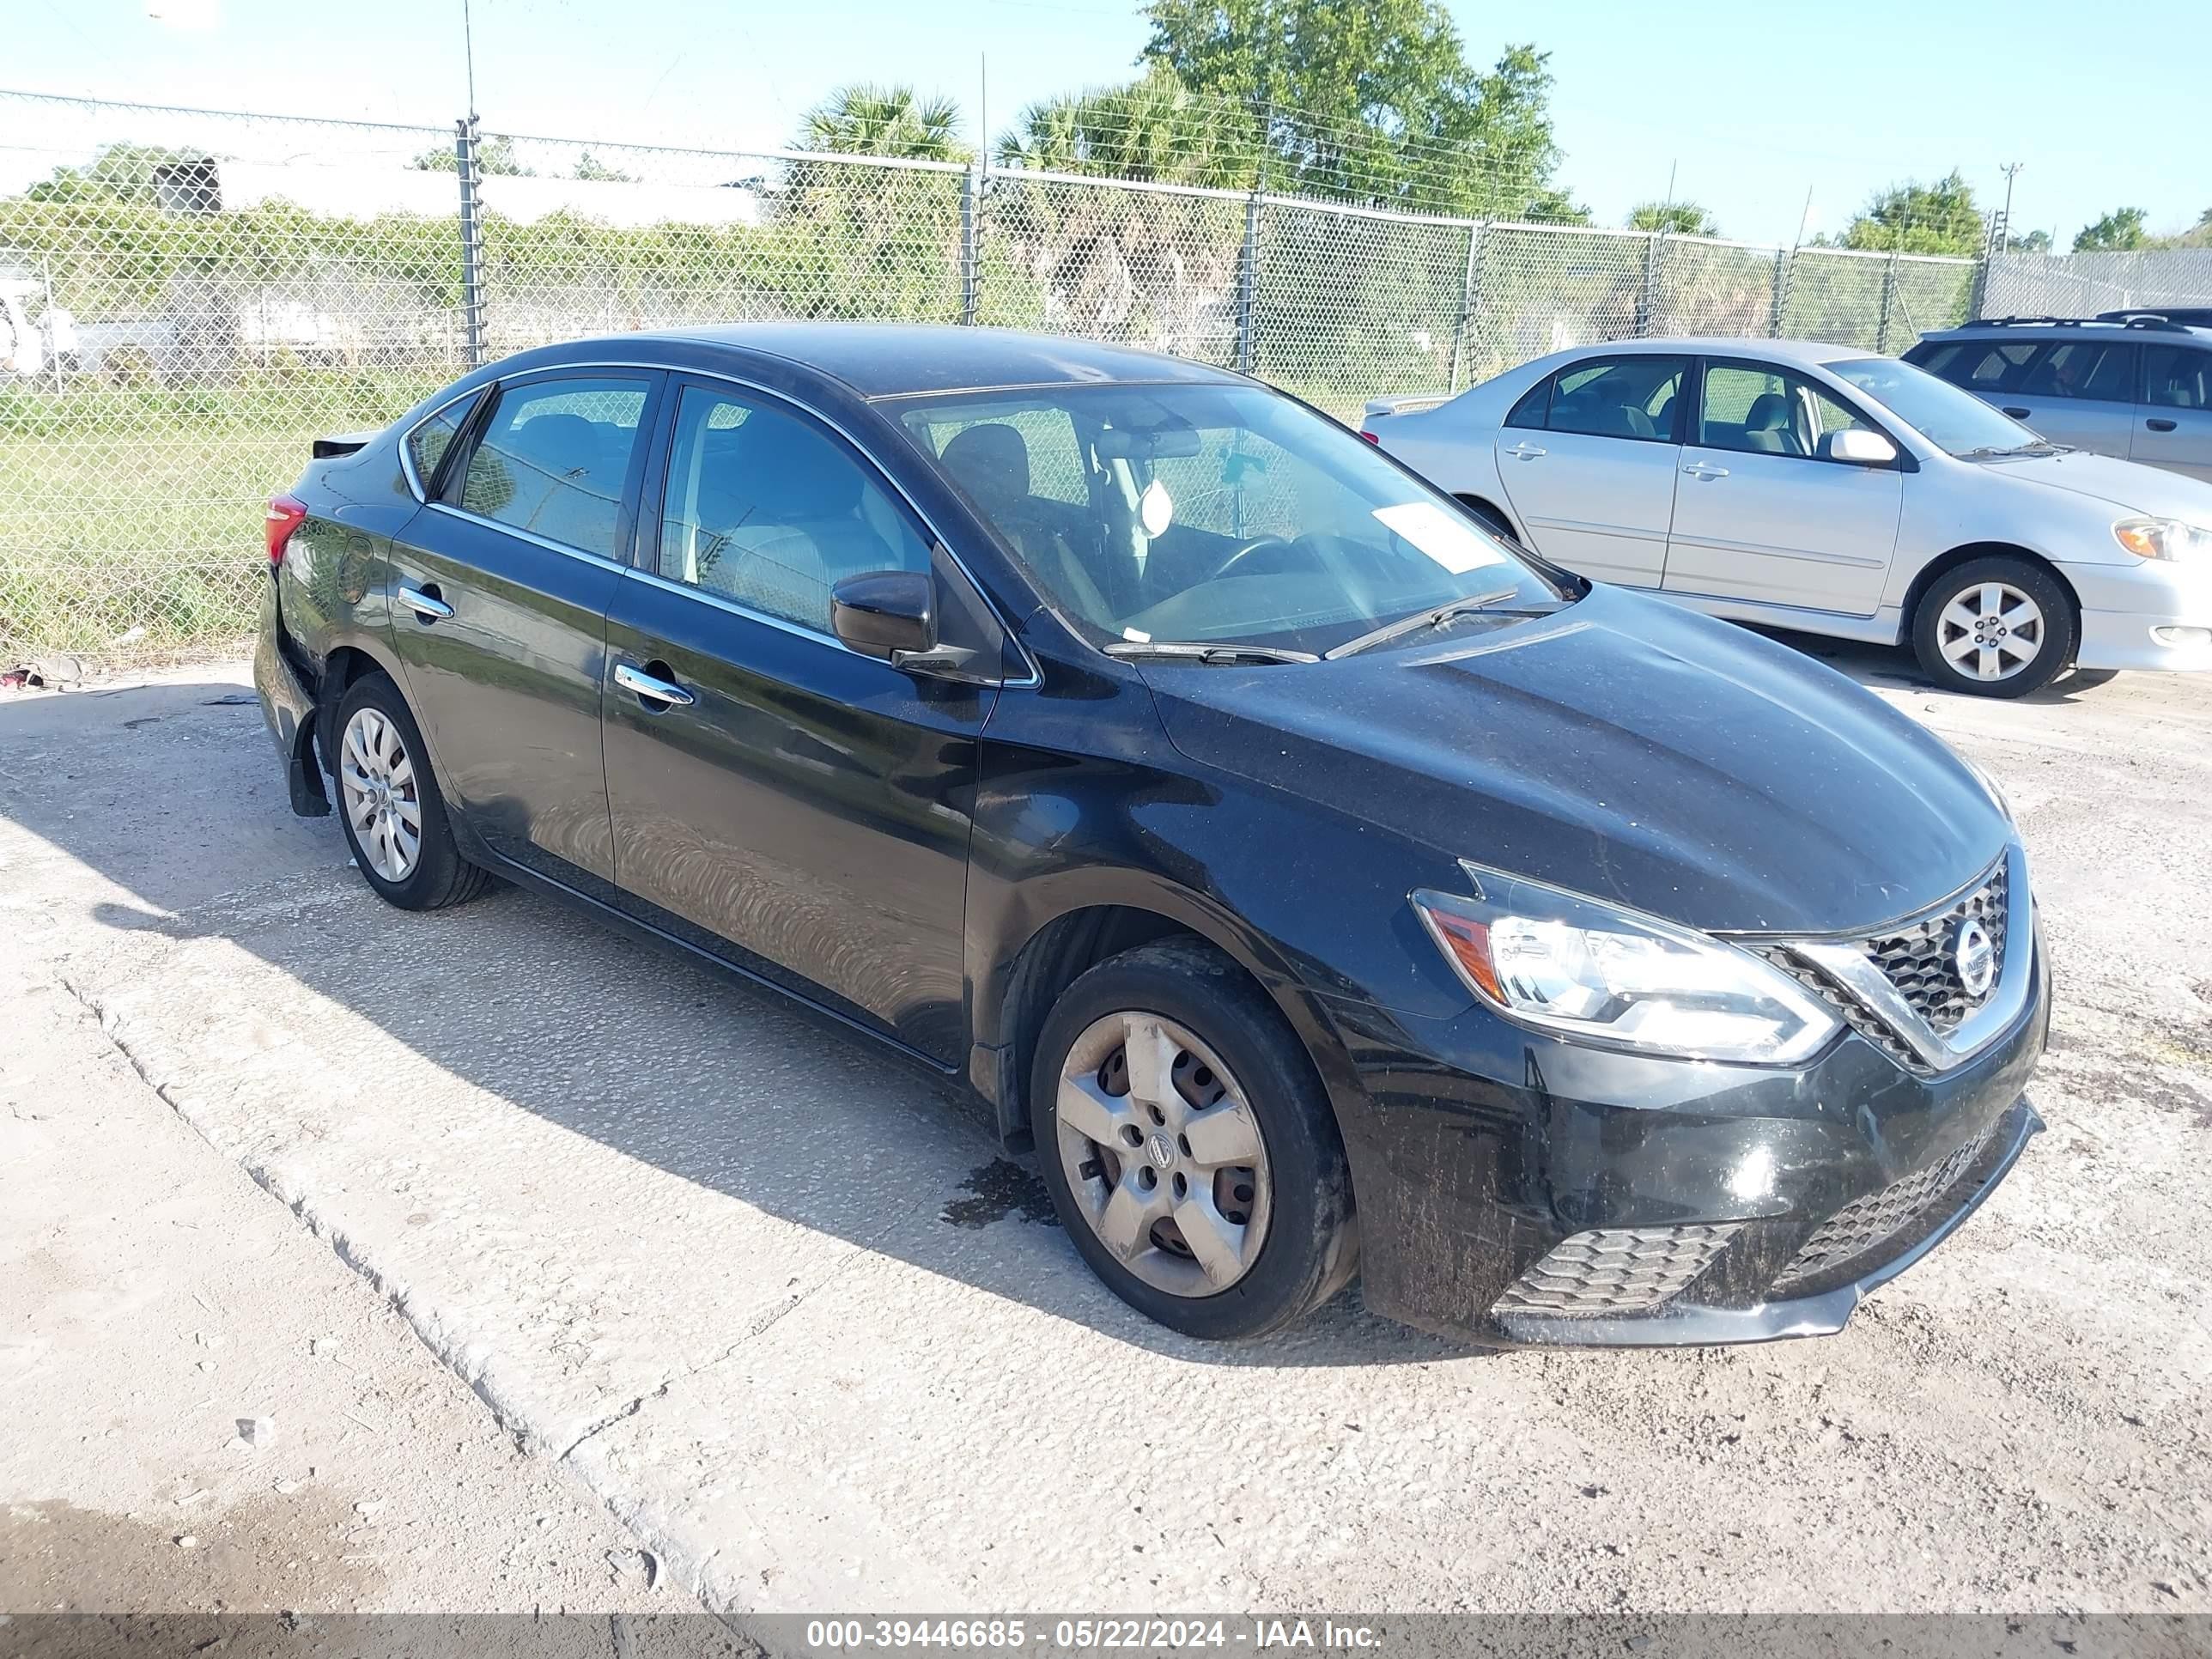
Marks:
<point>173,794</point>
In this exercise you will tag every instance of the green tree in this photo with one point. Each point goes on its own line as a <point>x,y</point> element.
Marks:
<point>495,158</point>
<point>592,170</point>
<point>2036,241</point>
<point>1677,218</point>
<point>116,172</point>
<point>2120,231</point>
<point>1918,218</point>
<point>1371,99</point>
<point>867,119</point>
<point>1152,129</point>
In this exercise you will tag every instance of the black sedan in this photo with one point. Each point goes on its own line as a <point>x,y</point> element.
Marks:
<point>1314,882</point>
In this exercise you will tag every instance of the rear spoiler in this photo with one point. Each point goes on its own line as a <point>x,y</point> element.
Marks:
<point>343,443</point>
<point>1408,405</point>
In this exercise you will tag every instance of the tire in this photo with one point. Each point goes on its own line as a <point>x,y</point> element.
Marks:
<point>1268,1166</point>
<point>382,771</point>
<point>1948,627</point>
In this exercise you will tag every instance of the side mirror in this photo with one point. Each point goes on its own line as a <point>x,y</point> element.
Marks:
<point>885,613</point>
<point>1858,446</point>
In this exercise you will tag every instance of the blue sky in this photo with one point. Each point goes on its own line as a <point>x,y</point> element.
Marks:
<point>1753,106</point>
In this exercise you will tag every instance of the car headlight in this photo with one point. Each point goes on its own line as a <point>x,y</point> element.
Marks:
<point>1561,963</point>
<point>2163,538</point>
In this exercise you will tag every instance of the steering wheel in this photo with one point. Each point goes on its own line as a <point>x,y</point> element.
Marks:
<point>1249,548</point>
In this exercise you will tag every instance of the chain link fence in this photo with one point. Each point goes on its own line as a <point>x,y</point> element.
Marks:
<point>2083,284</point>
<point>190,297</point>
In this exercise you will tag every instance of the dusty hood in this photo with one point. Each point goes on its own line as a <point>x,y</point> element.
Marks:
<point>2128,485</point>
<point>1623,748</point>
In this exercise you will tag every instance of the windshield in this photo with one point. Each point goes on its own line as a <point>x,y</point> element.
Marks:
<point>1212,514</point>
<point>1952,420</point>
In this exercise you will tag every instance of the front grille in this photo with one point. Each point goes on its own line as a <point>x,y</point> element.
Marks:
<point>1922,960</point>
<point>1615,1270</point>
<point>1864,1225</point>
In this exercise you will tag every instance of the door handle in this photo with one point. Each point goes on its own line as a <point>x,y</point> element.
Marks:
<point>1524,451</point>
<point>425,603</point>
<point>2158,423</point>
<point>2017,411</point>
<point>652,688</point>
<point>1705,470</point>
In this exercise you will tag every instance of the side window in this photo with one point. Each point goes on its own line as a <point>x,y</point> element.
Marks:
<point>553,458</point>
<point>432,436</point>
<point>1981,365</point>
<point>1758,411</point>
<point>1619,398</point>
<point>1534,403</point>
<point>768,510</point>
<point>2177,377</point>
<point>2082,368</point>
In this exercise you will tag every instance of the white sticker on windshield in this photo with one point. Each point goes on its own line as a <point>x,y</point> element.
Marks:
<point>1451,541</point>
<point>1157,509</point>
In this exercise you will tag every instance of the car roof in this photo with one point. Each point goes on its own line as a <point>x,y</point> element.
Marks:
<point>891,360</point>
<point>2030,328</point>
<point>1783,352</point>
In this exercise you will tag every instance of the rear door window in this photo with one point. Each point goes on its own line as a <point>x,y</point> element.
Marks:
<point>554,458</point>
<point>2099,370</point>
<point>432,436</point>
<point>2177,377</point>
<point>1978,365</point>
<point>1635,397</point>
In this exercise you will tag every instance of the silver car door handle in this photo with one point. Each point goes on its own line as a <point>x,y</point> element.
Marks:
<point>648,685</point>
<point>428,606</point>
<point>1524,451</point>
<point>1705,470</point>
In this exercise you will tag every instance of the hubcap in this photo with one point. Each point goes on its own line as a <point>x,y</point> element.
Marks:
<point>1164,1154</point>
<point>1991,632</point>
<point>383,802</point>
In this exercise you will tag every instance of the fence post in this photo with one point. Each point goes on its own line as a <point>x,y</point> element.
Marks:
<point>971,186</point>
<point>464,157</point>
<point>1469,291</point>
<point>1888,303</point>
<point>1248,285</point>
<point>1647,300</point>
<point>1782,268</point>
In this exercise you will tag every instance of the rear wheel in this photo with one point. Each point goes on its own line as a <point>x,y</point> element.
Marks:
<point>1996,627</point>
<point>1187,1145</point>
<point>388,802</point>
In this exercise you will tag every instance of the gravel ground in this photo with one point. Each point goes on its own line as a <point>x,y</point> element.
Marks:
<point>778,1305</point>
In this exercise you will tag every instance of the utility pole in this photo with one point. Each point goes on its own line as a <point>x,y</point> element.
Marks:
<point>2011,171</point>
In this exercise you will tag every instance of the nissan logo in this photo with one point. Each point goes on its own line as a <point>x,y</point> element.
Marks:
<point>1975,956</point>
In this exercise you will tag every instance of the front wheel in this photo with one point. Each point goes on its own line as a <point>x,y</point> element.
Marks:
<point>1996,627</point>
<point>1188,1147</point>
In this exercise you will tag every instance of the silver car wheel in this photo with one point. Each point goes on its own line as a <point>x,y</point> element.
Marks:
<point>1162,1154</point>
<point>1991,631</point>
<point>383,802</point>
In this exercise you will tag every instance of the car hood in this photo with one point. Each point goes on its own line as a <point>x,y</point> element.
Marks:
<point>2126,484</point>
<point>1622,748</point>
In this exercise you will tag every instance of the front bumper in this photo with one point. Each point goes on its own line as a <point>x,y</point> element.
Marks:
<point>2148,614</point>
<point>1518,1190</point>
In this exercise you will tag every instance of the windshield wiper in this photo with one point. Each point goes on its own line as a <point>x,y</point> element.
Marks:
<point>1198,651</point>
<point>1435,616</point>
<point>2040,447</point>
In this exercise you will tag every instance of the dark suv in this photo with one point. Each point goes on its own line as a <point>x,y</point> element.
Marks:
<point>2133,385</point>
<point>1311,879</point>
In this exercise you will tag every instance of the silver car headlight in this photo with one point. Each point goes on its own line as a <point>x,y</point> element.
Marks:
<point>1583,968</point>
<point>2163,538</point>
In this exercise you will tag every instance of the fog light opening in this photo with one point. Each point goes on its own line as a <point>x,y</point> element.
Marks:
<point>2184,638</point>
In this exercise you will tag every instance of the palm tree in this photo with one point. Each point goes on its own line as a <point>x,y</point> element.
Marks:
<point>1676,218</point>
<point>867,119</point>
<point>1154,129</point>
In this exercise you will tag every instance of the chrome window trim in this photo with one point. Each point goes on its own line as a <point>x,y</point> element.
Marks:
<point>407,445</point>
<point>1032,679</point>
<point>530,536</point>
<point>1848,965</point>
